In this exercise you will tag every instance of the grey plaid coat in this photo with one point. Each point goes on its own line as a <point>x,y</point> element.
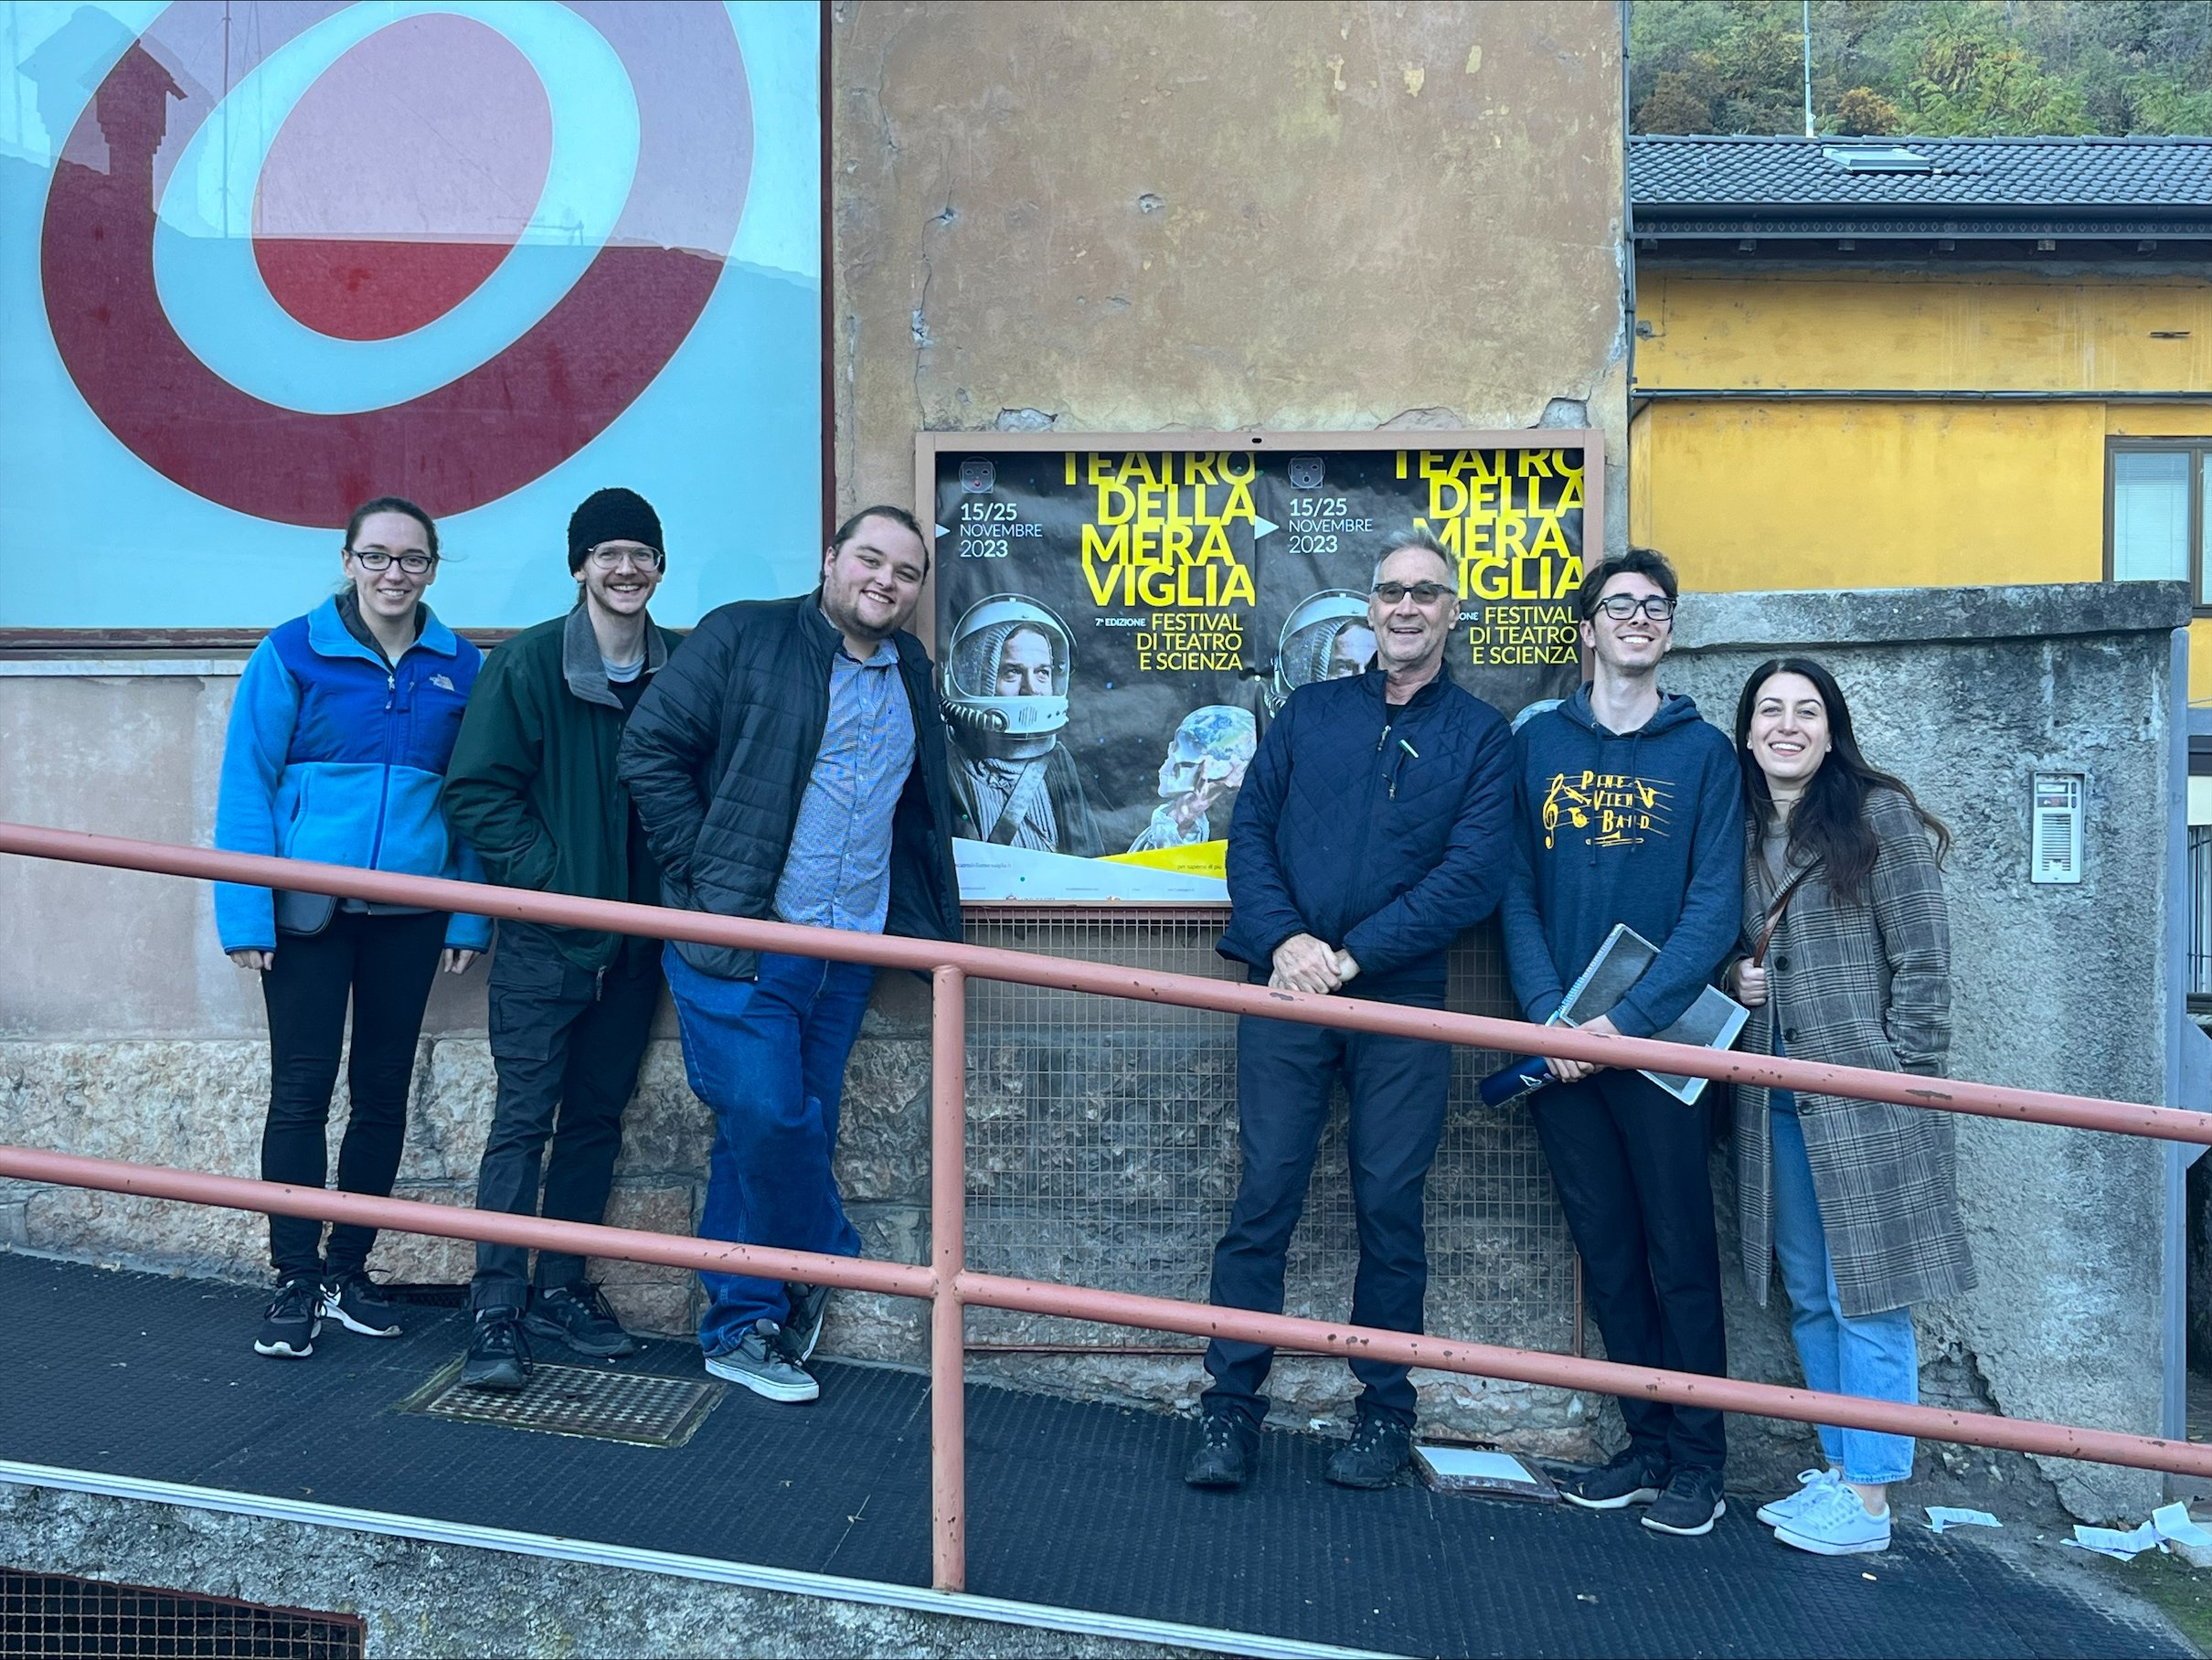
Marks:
<point>1864,985</point>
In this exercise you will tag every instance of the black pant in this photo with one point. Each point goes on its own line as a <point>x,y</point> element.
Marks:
<point>384,964</point>
<point>567,1040</point>
<point>1629,1161</point>
<point>1285,1074</point>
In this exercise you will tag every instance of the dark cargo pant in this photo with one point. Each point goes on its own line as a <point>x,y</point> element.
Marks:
<point>567,1044</point>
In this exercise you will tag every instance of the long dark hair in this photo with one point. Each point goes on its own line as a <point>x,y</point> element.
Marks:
<point>1830,820</point>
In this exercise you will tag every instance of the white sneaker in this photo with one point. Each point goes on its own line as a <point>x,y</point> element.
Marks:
<point>1774,1513</point>
<point>1836,1523</point>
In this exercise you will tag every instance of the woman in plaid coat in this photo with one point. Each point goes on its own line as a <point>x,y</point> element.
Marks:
<point>1846,959</point>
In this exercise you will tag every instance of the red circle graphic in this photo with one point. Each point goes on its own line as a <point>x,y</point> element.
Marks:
<point>479,437</point>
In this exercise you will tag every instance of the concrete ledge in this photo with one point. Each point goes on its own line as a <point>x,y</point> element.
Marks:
<point>1890,616</point>
<point>428,1587</point>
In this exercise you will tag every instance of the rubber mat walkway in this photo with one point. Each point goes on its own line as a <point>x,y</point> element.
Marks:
<point>1072,1504</point>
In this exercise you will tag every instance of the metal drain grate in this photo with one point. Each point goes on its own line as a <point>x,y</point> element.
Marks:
<point>53,1614</point>
<point>579,1401</point>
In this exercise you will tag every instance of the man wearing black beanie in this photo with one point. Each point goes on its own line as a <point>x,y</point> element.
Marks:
<point>533,787</point>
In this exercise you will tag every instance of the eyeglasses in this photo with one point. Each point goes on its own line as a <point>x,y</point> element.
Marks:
<point>614,558</point>
<point>376,560</point>
<point>1424,593</point>
<point>1621,607</point>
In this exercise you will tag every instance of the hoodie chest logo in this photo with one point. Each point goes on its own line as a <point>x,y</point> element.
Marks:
<point>1606,809</point>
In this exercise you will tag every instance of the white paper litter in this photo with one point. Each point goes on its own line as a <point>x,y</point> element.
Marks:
<point>1941,1516</point>
<point>1479,1463</point>
<point>2169,1524</point>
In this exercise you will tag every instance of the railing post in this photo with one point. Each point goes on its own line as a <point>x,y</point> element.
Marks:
<point>948,1257</point>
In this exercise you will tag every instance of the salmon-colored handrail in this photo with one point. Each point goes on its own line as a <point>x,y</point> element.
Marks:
<point>1187,990</point>
<point>948,1285</point>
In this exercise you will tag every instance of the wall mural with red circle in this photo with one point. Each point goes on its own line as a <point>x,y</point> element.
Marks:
<point>488,254</point>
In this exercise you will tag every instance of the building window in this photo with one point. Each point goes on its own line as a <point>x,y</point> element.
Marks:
<point>2155,517</point>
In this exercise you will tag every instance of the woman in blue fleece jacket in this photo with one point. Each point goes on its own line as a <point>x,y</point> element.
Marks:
<point>337,751</point>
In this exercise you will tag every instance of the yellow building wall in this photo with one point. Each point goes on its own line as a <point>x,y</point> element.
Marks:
<point>1751,492</point>
<point>1999,331</point>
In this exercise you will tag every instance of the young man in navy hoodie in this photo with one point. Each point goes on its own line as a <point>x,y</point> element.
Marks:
<point>1629,810</point>
<point>1372,830</point>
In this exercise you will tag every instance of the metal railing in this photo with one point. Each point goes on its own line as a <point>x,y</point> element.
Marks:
<point>947,1283</point>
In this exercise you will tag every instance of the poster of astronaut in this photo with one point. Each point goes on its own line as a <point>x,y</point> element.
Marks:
<point>1114,631</point>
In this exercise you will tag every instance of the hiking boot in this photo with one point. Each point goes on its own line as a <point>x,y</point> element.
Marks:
<point>1223,1457</point>
<point>1377,1454</point>
<point>1692,1504</point>
<point>578,1315</point>
<point>1774,1513</point>
<point>802,1327</point>
<point>355,1302</point>
<point>293,1321</point>
<point>499,1355</point>
<point>1836,1523</point>
<point>1629,1478</point>
<point>764,1362</point>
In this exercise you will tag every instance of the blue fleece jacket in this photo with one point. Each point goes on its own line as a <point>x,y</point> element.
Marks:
<point>1381,831</point>
<point>332,756</point>
<point>1642,827</point>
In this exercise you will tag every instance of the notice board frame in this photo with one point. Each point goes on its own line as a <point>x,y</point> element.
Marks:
<point>931,444</point>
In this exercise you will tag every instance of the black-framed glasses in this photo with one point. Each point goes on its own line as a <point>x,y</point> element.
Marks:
<point>378,560</point>
<point>1621,607</point>
<point>614,558</point>
<point>1424,593</point>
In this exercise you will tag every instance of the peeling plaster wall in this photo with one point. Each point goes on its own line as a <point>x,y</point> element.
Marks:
<point>1133,217</point>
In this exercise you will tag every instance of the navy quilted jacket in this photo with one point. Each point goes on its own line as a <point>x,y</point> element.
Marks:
<point>1382,831</point>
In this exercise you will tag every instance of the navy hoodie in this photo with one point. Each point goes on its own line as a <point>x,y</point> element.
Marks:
<point>1642,827</point>
<point>1379,829</point>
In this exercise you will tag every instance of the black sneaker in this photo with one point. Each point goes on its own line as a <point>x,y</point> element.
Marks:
<point>1690,1505</point>
<point>1378,1451</point>
<point>1223,1457</point>
<point>1630,1478</point>
<point>293,1321</point>
<point>355,1301</point>
<point>579,1316</point>
<point>499,1355</point>
<point>802,1330</point>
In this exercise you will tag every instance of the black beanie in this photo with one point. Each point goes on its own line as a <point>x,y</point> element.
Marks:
<point>611,516</point>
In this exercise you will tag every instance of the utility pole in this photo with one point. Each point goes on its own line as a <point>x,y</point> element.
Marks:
<point>1808,24</point>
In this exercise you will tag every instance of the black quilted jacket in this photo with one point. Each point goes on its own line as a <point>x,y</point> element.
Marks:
<point>719,753</point>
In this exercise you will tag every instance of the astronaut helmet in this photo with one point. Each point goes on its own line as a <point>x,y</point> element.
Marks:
<point>1215,742</point>
<point>984,723</point>
<point>1307,650</point>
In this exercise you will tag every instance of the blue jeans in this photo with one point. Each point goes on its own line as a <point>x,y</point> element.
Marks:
<point>767,1056</point>
<point>1874,1355</point>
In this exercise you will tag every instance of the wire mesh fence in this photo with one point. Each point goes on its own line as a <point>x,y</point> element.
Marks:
<point>50,1613</point>
<point>1103,1149</point>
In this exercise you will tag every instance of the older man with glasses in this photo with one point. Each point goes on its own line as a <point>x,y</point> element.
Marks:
<point>532,788</point>
<point>1372,831</point>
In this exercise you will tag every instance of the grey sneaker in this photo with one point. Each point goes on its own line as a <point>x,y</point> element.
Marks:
<point>763,1363</point>
<point>499,1355</point>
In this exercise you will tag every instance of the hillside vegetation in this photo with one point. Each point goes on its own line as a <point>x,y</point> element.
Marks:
<point>1937,67</point>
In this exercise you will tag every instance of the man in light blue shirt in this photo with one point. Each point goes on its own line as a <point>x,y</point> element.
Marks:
<point>790,762</point>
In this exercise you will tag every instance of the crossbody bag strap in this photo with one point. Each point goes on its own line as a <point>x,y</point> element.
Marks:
<point>1774,910</point>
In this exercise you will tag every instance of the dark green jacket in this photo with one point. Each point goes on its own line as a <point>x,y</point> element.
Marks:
<point>532,785</point>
